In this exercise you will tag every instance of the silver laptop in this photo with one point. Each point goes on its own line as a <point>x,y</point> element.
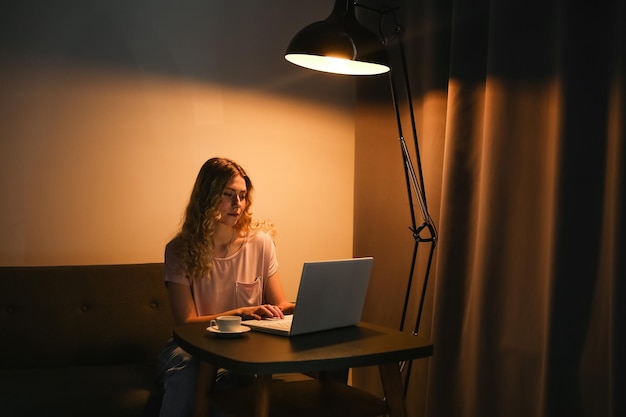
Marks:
<point>331,295</point>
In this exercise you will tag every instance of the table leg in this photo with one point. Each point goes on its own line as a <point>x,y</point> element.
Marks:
<point>262,396</point>
<point>204,384</point>
<point>394,391</point>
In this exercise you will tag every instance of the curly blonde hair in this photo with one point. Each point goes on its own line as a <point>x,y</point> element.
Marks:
<point>202,214</point>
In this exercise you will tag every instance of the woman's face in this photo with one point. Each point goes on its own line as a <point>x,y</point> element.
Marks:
<point>233,201</point>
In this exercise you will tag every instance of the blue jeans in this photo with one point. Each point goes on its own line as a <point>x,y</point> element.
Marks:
<point>177,374</point>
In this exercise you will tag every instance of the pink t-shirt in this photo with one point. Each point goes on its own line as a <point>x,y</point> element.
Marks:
<point>235,281</point>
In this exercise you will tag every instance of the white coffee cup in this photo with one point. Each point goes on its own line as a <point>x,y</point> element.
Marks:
<point>226,323</point>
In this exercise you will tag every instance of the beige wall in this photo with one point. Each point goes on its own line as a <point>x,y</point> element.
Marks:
<point>108,110</point>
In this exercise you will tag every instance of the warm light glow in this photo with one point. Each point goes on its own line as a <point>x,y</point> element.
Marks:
<point>336,65</point>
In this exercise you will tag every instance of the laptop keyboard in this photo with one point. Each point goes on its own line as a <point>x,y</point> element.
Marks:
<point>276,324</point>
<point>280,324</point>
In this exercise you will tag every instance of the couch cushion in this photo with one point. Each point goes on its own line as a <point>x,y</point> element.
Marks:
<point>120,390</point>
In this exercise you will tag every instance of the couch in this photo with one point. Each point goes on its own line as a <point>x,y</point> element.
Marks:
<point>81,340</point>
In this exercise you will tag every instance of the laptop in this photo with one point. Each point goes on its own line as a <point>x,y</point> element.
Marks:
<point>331,295</point>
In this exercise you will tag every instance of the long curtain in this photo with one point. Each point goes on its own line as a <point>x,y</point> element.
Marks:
<point>527,292</point>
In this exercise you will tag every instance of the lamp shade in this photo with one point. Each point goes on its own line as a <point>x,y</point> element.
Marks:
<point>339,44</point>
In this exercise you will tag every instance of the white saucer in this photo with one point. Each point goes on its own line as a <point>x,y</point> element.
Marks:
<point>241,330</point>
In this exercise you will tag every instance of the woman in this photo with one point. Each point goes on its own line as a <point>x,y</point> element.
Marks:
<point>218,264</point>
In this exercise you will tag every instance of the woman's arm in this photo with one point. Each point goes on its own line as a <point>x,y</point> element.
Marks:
<point>275,295</point>
<point>184,309</point>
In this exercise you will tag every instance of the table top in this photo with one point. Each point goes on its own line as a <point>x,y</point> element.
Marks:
<point>254,352</point>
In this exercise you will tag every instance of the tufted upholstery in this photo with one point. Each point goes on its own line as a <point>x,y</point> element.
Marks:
<point>80,340</point>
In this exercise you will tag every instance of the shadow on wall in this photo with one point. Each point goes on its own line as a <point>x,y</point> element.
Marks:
<point>198,40</point>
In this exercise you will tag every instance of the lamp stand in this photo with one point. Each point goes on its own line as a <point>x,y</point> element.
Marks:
<point>340,44</point>
<point>426,232</point>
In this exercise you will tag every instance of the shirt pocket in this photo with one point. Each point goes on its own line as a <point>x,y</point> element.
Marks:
<point>249,293</point>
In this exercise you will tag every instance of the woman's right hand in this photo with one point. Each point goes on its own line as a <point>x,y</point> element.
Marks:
<point>262,311</point>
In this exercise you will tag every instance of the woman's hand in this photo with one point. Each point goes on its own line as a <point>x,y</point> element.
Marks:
<point>263,311</point>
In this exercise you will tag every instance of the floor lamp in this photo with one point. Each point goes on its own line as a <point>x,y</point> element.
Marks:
<point>341,44</point>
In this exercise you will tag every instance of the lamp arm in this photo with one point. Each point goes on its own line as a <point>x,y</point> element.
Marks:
<point>419,193</point>
<point>415,178</point>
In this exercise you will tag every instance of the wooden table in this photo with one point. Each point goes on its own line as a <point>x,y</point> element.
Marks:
<point>261,354</point>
